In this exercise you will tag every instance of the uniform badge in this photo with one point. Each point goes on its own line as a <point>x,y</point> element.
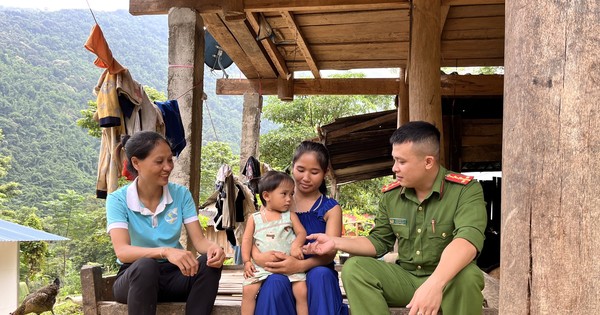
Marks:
<point>398,221</point>
<point>390,186</point>
<point>459,178</point>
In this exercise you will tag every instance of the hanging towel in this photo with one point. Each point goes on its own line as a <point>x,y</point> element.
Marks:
<point>96,43</point>
<point>173,125</point>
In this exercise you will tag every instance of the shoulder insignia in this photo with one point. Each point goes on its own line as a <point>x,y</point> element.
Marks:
<point>390,186</point>
<point>459,178</point>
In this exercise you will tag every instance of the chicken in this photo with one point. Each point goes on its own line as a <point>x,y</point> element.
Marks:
<point>39,301</point>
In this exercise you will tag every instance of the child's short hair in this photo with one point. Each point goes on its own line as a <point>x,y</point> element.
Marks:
<point>270,181</point>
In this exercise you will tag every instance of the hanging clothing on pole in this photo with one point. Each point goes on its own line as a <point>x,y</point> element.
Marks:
<point>123,108</point>
<point>173,125</point>
<point>233,204</point>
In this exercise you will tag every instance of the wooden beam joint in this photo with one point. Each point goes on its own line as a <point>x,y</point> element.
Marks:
<point>285,89</point>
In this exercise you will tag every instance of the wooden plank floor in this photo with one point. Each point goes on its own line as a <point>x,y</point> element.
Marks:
<point>230,286</point>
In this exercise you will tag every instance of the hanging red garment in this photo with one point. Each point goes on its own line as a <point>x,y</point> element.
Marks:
<point>96,43</point>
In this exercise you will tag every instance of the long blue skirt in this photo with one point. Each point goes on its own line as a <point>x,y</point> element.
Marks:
<point>324,295</point>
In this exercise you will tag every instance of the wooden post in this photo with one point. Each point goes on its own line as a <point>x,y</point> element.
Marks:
<point>550,164</point>
<point>185,83</point>
<point>250,127</point>
<point>91,279</point>
<point>424,87</point>
<point>403,107</point>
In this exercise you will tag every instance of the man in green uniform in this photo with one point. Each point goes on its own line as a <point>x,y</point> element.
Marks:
<point>437,217</point>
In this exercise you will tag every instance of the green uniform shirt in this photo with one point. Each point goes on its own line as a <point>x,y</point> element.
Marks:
<point>423,229</point>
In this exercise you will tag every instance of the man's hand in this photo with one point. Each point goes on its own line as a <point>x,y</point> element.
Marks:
<point>183,259</point>
<point>215,256</point>
<point>427,299</point>
<point>322,244</point>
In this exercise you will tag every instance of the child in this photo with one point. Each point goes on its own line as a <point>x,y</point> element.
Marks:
<point>274,227</point>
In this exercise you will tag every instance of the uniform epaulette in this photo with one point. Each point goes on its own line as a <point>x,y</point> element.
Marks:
<point>459,178</point>
<point>390,186</point>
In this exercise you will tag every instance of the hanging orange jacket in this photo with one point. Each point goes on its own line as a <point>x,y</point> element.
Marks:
<point>96,43</point>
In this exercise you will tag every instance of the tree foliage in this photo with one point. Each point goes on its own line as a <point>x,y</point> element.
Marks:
<point>48,79</point>
<point>300,119</point>
<point>10,188</point>
<point>34,253</point>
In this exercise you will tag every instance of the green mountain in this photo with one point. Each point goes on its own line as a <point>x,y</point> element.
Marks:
<point>47,78</point>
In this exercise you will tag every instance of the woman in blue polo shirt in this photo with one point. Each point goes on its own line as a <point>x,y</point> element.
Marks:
<point>144,221</point>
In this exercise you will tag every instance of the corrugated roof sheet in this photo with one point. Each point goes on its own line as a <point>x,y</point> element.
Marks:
<point>12,232</point>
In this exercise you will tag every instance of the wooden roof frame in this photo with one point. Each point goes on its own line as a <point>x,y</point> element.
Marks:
<point>235,23</point>
<point>316,35</point>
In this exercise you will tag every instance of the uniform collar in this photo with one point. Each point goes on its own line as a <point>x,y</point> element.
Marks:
<point>134,203</point>
<point>438,184</point>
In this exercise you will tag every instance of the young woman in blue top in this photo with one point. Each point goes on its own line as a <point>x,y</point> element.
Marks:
<point>144,221</point>
<point>318,214</point>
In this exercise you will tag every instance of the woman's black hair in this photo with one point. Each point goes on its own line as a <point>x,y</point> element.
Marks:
<point>140,145</point>
<point>270,181</point>
<point>322,158</point>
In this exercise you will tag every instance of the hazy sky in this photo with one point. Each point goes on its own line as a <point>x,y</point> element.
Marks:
<point>52,5</point>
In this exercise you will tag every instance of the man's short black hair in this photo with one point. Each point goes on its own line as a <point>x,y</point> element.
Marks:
<point>418,132</point>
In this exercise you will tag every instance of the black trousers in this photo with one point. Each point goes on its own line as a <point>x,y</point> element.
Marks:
<point>145,282</point>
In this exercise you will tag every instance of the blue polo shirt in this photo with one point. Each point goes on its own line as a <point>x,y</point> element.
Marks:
<point>146,229</point>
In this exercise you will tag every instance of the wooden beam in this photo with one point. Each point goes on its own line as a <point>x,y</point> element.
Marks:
<point>216,27</point>
<point>473,62</point>
<point>471,2</point>
<point>270,48</point>
<point>443,16</point>
<point>465,85</point>
<point>451,85</point>
<point>357,64</point>
<point>472,49</point>
<point>246,38</point>
<point>145,7</point>
<point>395,31</point>
<point>323,5</point>
<point>360,126</point>
<point>476,11</point>
<point>149,7</point>
<point>233,10</point>
<point>351,51</point>
<point>350,170</point>
<point>348,18</point>
<point>301,43</point>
